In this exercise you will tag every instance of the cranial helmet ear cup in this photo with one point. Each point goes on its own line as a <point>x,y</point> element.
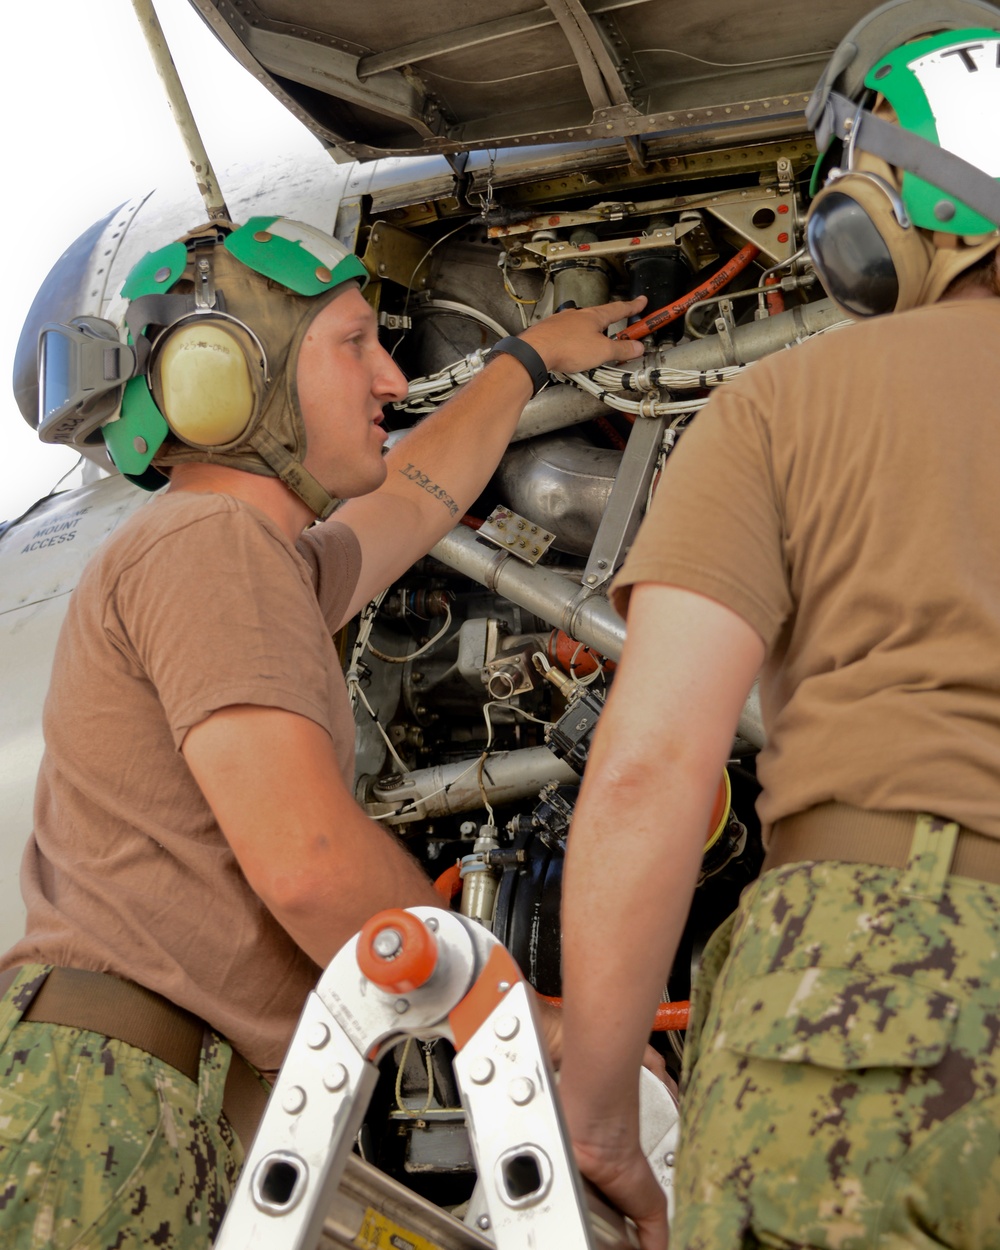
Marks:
<point>867,260</point>
<point>207,377</point>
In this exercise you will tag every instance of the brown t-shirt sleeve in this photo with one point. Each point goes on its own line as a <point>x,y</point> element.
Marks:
<point>221,611</point>
<point>333,554</point>
<point>715,524</point>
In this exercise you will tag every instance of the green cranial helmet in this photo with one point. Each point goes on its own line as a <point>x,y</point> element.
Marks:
<point>937,64</point>
<point>906,193</point>
<point>202,364</point>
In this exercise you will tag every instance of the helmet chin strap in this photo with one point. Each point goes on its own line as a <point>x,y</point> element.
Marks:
<point>295,476</point>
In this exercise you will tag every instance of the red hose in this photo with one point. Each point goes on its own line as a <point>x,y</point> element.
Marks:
<point>663,316</point>
<point>775,298</point>
<point>573,657</point>
<point>449,883</point>
<point>669,1018</point>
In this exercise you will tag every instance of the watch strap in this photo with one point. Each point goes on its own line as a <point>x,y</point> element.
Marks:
<point>525,355</point>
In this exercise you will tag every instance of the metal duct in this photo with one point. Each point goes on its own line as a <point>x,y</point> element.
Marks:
<point>562,483</point>
<point>584,615</point>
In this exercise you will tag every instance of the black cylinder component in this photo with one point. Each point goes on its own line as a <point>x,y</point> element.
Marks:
<point>526,919</point>
<point>663,276</point>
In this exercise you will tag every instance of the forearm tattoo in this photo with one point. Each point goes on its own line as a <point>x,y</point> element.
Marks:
<point>432,488</point>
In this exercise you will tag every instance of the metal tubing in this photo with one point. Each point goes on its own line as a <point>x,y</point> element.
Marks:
<point>753,340</point>
<point>450,788</point>
<point>555,408</point>
<point>159,50</point>
<point>587,617</point>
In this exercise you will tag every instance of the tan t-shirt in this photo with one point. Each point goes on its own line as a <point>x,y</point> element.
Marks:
<point>199,602</point>
<point>844,498</point>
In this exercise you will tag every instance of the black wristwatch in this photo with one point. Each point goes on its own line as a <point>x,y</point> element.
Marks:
<point>525,355</point>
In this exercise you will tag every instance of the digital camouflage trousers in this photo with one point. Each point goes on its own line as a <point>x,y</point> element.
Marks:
<point>103,1147</point>
<point>842,1078</point>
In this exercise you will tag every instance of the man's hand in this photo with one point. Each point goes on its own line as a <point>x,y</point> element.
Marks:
<point>616,1165</point>
<point>575,340</point>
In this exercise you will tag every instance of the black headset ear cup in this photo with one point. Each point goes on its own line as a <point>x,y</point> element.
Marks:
<point>868,262</point>
<point>207,377</point>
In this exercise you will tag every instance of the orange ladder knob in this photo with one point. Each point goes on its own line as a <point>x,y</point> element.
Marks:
<point>397,951</point>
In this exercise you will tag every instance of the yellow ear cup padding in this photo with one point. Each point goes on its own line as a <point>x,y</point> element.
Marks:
<point>204,385</point>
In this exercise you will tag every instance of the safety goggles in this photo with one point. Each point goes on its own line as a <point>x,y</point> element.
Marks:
<point>82,369</point>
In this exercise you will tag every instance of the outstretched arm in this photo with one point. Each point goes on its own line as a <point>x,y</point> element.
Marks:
<point>439,468</point>
<point>659,750</point>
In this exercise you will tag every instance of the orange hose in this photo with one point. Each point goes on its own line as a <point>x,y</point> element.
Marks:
<point>669,1018</point>
<point>573,657</point>
<point>776,298</point>
<point>449,883</point>
<point>663,316</point>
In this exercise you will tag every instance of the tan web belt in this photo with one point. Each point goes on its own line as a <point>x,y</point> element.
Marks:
<point>132,1014</point>
<point>851,835</point>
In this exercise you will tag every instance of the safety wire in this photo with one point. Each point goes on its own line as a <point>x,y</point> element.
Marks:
<point>353,676</point>
<point>402,659</point>
<point>412,1111</point>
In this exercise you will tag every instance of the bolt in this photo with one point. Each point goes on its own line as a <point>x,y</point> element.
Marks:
<point>591,579</point>
<point>294,1100</point>
<point>506,1027</point>
<point>388,943</point>
<point>318,1036</point>
<point>402,1006</point>
<point>521,1091</point>
<point>335,1078</point>
<point>481,1072</point>
<point>602,564</point>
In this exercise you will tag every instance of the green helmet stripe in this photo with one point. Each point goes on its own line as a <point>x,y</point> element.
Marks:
<point>286,253</point>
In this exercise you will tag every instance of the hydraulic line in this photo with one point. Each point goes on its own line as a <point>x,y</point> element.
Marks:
<point>663,316</point>
<point>669,1018</point>
<point>449,883</point>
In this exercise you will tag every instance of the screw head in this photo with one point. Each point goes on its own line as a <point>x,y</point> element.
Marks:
<point>432,923</point>
<point>318,1036</point>
<point>668,1159</point>
<point>521,1091</point>
<point>335,1078</point>
<point>294,1100</point>
<point>483,1222</point>
<point>506,1027</point>
<point>481,1071</point>
<point>388,943</point>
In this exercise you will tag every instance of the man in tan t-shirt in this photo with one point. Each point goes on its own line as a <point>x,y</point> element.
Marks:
<point>198,854</point>
<point>832,520</point>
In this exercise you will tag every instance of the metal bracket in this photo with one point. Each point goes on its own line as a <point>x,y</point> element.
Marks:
<point>623,511</point>
<point>725,325</point>
<point>516,534</point>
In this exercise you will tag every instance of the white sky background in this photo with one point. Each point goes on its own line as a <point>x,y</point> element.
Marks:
<point>86,126</point>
